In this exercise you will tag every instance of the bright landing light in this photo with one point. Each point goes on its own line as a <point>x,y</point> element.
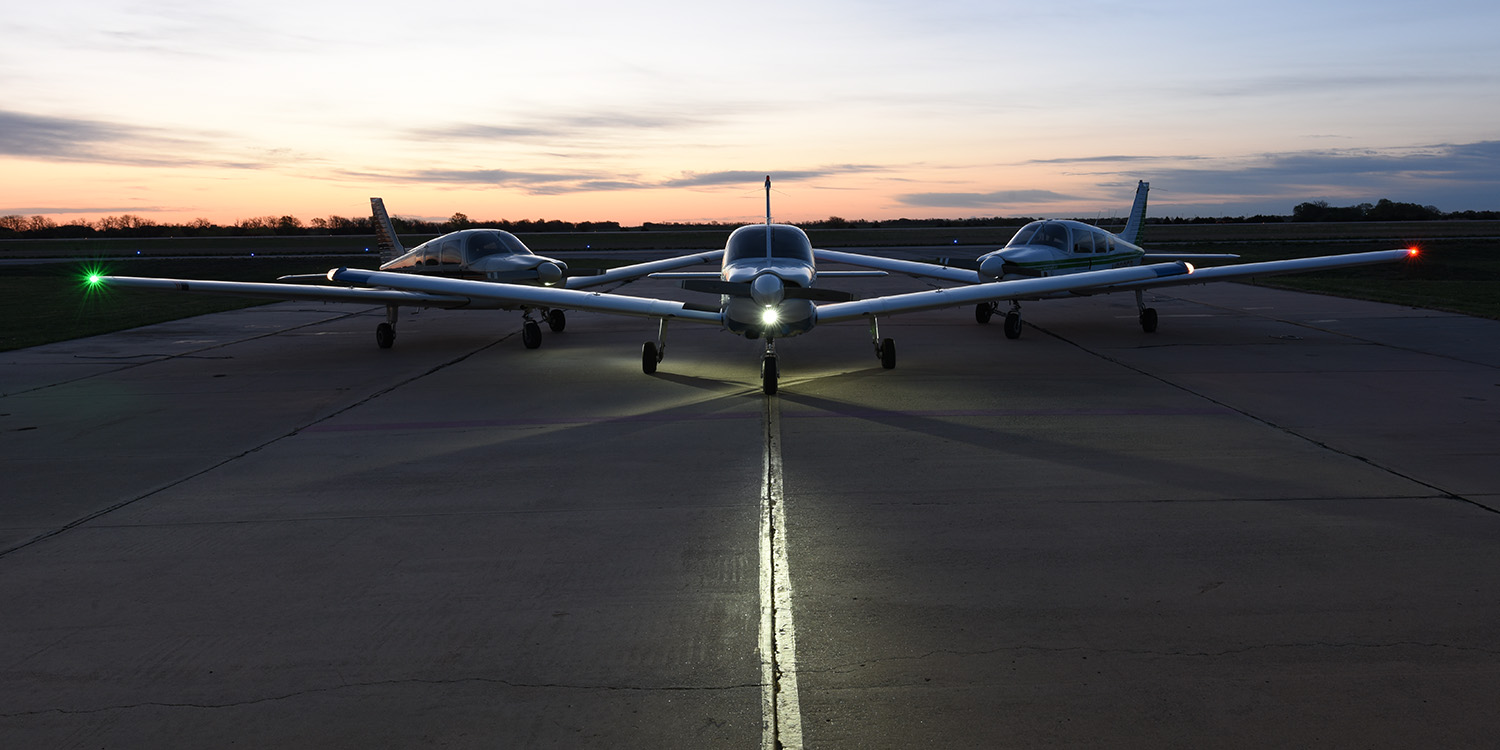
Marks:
<point>770,316</point>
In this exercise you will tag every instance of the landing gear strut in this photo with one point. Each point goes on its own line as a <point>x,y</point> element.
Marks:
<point>385,333</point>
<point>652,352</point>
<point>1148,314</point>
<point>768,368</point>
<point>885,349</point>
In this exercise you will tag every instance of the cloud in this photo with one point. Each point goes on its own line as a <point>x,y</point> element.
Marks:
<point>559,183</point>
<point>994,200</point>
<point>568,127</point>
<point>751,177</point>
<point>41,137</point>
<point>1451,176</point>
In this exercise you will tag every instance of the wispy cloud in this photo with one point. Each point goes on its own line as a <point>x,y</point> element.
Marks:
<point>564,182</point>
<point>31,136</point>
<point>749,177</point>
<point>997,200</point>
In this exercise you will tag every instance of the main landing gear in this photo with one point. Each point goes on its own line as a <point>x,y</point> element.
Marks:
<point>1147,314</point>
<point>885,349</point>
<point>652,352</point>
<point>531,333</point>
<point>385,333</point>
<point>984,310</point>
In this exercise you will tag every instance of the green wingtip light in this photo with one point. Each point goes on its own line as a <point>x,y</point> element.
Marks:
<point>92,278</point>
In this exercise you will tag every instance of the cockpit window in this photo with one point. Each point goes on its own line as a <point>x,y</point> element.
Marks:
<point>750,242</point>
<point>493,242</point>
<point>1053,233</point>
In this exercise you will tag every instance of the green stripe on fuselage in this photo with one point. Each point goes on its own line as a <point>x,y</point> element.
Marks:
<point>1081,262</point>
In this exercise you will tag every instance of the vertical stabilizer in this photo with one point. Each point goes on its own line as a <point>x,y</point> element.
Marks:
<point>385,234</point>
<point>1132,231</point>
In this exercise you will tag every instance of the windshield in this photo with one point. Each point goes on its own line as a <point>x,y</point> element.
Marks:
<point>749,242</point>
<point>492,242</point>
<point>1051,233</point>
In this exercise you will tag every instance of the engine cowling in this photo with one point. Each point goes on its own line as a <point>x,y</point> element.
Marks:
<point>549,273</point>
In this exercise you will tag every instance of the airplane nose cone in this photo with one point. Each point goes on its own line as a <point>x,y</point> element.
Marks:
<point>993,265</point>
<point>767,289</point>
<point>549,273</point>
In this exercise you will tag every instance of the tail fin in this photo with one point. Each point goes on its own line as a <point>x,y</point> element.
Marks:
<point>385,234</point>
<point>1132,231</point>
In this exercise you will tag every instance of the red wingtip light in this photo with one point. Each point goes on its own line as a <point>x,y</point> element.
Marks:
<point>1412,252</point>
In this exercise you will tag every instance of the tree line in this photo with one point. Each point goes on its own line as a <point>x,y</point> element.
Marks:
<point>131,225</point>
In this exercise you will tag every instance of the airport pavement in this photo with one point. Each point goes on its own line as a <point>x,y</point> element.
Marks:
<point>1272,523</point>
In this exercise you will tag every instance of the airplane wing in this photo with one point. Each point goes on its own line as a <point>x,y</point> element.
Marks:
<point>538,296</point>
<point>1083,283</point>
<point>271,290</point>
<point>1239,271</point>
<point>643,269</point>
<point>908,267</point>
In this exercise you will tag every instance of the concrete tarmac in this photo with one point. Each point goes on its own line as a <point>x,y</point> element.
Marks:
<point>1271,523</point>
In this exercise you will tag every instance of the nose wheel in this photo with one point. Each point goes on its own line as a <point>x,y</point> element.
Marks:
<point>1013,322</point>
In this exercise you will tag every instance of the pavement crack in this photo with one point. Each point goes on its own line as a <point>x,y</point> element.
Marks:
<point>75,523</point>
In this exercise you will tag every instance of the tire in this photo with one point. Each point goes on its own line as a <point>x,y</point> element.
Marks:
<point>557,321</point>
<point>385,335</point>
<point>648,357</point>
<point>888,354</point>
<point>982,313</point>
<point>1013,325</point>
<point>531,334</point>
<point>1148,320</point>
<point>768,374</point>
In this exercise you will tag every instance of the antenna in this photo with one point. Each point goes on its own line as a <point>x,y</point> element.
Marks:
<point>768,217</point>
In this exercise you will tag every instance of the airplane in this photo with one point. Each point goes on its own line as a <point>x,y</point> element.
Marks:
<point>489,255</point>
<point>767,290</point>
<point>1056,247</point>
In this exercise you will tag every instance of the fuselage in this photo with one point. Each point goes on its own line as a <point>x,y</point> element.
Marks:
<point>1055,247</point>
<point>770,269</point>
<point>489,254</point>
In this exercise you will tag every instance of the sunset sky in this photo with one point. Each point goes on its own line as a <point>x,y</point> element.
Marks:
<point>675,111</point>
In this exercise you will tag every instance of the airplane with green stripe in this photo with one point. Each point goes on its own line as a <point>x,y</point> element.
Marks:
<point>1058,247</point>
